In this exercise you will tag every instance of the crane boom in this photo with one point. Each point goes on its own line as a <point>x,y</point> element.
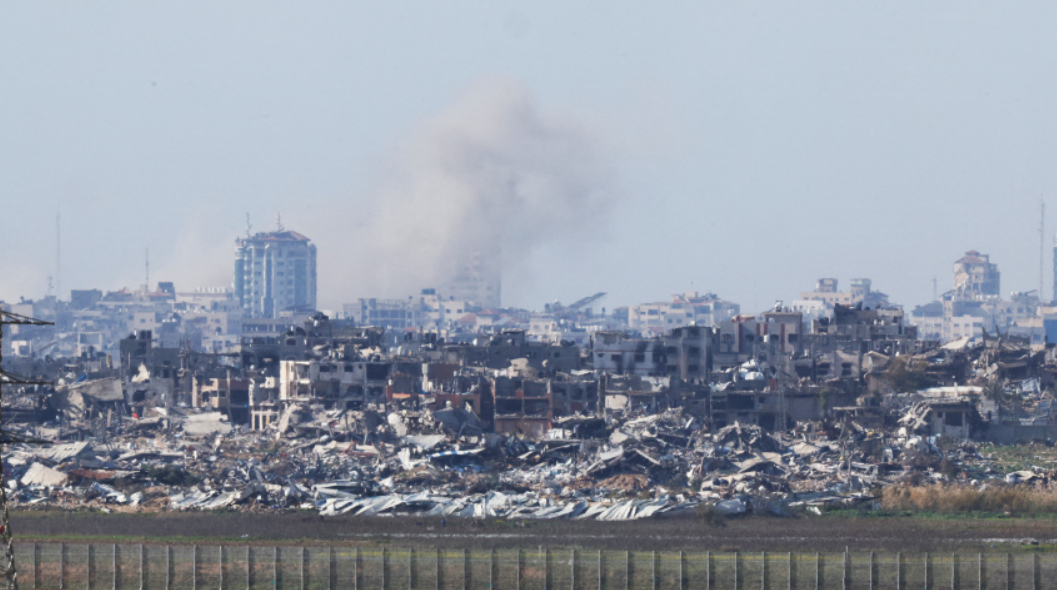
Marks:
<point>586,301</point>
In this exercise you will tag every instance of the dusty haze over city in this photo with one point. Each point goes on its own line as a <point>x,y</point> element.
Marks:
<point>745,149</point>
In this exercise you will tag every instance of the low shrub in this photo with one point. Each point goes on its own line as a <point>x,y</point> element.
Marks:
<point>951,499</point>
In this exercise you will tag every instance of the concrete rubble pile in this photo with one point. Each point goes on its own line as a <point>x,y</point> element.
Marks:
<point>514,429</point>
<point>444,463</point>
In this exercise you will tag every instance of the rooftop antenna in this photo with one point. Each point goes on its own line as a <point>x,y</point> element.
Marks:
<point>248,225</point>
<point>935,292</point>
<point>58,259</point>
<point>278,223</point>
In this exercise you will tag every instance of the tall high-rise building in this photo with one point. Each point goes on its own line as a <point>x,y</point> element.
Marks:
<point>478,278</point>
<point>975,277</point>
<point>275,271</point>
<point>1054,270</point>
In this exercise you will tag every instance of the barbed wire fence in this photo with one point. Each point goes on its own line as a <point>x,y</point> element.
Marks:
<point>97,566</point>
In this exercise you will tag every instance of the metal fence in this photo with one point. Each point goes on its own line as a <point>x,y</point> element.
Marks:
<point>199,567</point>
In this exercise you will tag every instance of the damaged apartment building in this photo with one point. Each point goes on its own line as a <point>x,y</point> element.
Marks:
<point>771,370</point>
<point>531,406</point>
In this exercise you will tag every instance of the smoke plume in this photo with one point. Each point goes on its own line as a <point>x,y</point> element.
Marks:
<point>491,171</point>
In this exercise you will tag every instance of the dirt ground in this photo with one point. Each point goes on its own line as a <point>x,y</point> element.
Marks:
<point>828,533</point>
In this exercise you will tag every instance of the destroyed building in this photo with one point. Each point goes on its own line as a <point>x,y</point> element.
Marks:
<point>531,406</point>
<point>492,413</point>
<point>499,350</point>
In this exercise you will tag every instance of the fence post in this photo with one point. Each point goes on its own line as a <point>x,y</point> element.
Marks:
<point>247,567</point>
<point>383,570</point>
<point>599,569</point>
<point>954,571</point>
<point>88,568</point>
<point>789,569</point>
<point>355,568</point>
<point>980,571</point>
<point>330,569</point>
<point>437,577</point>
<point>572,571</point>
<point>763,570</point>
<point>465,584</point>
<point>275,568</point>
<point>899,571</point>
<point>708,570</point>
<point>816,571</point>
<point>220,565</point>
<point>36,551</point>
<point>653,568</point>
<point>62,565</point>
<point>871,570</point>
<point>168,566</point>
<point>627,570</point>
<point>735,570</point>
<point>518,581</point>
<point>680,570</point>
<point>141,566</point>
<point>410,567</point>
<point>1009,571</point>
<point>844,576</point>
<point>926,569</point>
<point>1034,571</point>
<point>546,569</point>
<point>194,567</point>
<point>113,565</point>
<point>303,567</point>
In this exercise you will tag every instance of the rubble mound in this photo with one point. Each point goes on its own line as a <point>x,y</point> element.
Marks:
<point>739,437</point>
<point>627,482</point>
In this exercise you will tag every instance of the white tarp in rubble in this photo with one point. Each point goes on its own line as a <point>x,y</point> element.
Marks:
<point>43,476</point>
<point>206,423</point>
<point>1021,477</point>
<point>424,441</point>
<point>397,423</point>
<point>500,505</point>
<point>142,374</point>
<point>103,390</point>
<point>804,449</point>
<point>730,507</point>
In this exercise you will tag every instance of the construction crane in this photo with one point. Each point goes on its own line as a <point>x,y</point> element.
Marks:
<point>585,301</point>
<point>560,310</point>
<point>37,353</point>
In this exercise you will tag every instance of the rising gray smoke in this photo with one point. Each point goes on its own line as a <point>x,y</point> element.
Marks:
<point>492,170</point>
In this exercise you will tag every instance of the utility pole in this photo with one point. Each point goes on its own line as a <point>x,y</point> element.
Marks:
<point>7,318</point>
<point>58,259</point>
<point>1042,245</point>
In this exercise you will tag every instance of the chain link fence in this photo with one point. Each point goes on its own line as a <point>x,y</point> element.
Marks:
<point>239,567</point>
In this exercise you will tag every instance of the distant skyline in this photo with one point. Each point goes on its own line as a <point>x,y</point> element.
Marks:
<point>743,149</point>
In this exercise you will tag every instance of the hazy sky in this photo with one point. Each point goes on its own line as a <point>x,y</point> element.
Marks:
<point>744,148</point>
